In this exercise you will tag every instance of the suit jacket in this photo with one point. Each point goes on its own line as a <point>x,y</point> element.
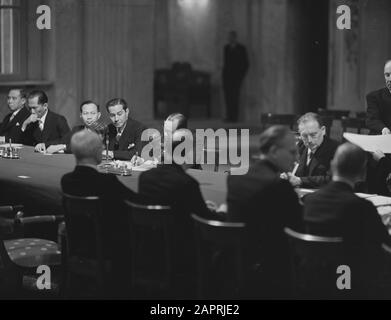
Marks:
<point>266,204</point>
<point>335,210</point>
<point>55,129</point>
<point>171,185</point>
<point>235,62</point>
<point>378,110</point>
<point>129,142</point>
<point>12,129</point>
<point>86,181</point>
<point>318,171</point>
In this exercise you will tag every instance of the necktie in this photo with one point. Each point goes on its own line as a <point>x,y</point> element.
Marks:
<point>40,124</point>
<point>309,157</point>
<point>12,117</point>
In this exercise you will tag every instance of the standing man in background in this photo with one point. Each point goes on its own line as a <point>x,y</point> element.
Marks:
<point>234,70</point>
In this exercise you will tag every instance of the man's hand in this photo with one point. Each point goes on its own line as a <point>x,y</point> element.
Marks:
<point>40,147</point>
<point>223,208</point>
<point>109,153</point>
<point>377,155</point>
<point>211,205</point>
<point>295,181</point>
<point>385,131</point>
<point>31,119</point>
<point>136,161</point>
<point>55,148</point>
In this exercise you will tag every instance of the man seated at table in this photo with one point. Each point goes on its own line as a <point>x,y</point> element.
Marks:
<point>267,203</point>
<point>85,180</point>
<point>43,127</point>
<point>10,128</point>
<point>170,184</point>
<point>335,210</point>
<point>89,114</point>
<point>315,153</point>
<point>124,132</point>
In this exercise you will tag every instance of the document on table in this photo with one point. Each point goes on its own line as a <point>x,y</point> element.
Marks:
<point>380,201</point>
<point>370,143</point>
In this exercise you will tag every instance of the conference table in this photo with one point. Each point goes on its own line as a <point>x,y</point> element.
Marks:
<point>34,180</point>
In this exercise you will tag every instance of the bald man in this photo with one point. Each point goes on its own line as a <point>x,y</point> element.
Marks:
<point>379,106</point>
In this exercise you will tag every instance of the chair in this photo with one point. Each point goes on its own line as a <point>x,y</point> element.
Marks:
<point>214,239</point>
<point>269,119</point>
<point>84,256</point>
<point>314,261</point>
<point>336,114</point>
<point>20,256</point>
<point>354,123</point>
<point>152,225</point>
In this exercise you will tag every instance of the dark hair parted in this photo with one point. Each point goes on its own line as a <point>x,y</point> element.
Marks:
<point>88,102</point>
<point>116,101</point>
<point>42,97</point>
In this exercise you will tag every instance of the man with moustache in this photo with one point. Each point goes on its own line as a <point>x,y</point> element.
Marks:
<point>10,128</point>
<point>124,132</point>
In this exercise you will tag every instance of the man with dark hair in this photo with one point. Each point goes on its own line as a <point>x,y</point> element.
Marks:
<point>10,128</point>
<point>315,153</point>
<point>379,106</point>
<point>124,132</point>
<point>267,203</point>
<point>89,114</point>
<point>235,66</point>
<point>43,127</point>
<point>335,210</point>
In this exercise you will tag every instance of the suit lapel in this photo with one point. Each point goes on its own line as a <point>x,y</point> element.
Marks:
<point>123,141</point>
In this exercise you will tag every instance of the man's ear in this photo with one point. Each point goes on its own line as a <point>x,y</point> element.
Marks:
<point>99,114</point>
<point>45,105</point>
<point>323,128</point>
<point>127,112</point>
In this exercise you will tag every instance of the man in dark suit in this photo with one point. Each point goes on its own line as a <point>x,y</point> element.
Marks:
<point>335,210</point>
<point>10,128</point>
<point>84,181</point>
<point>43,127</point>
<point>170,184</point>
<point>235,66</point>
<point>379,106</point>
<point>124,132</point>
<point>89,114</point>
<point>315,153</point>
<point>267,203</point>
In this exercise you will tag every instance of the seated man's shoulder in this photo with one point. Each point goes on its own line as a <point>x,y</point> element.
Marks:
<point>376,93</point>
<point>137,125</point>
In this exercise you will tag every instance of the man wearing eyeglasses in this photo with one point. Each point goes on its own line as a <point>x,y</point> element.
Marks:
<point>89,114</point>
<point>316,151</point>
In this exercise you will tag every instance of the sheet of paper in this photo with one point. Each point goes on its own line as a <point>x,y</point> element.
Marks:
<point>380,201</point>
<point>370,143</point>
